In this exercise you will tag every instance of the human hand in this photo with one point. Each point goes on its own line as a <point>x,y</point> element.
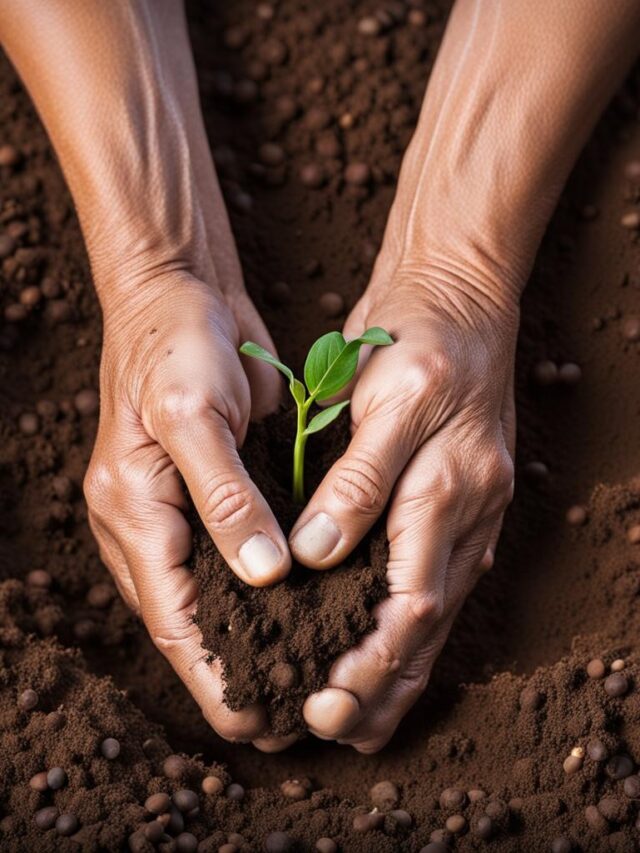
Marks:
<point>433,437</point>
<point>175,400</point>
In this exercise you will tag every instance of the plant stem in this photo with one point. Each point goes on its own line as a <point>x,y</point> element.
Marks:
<point>298,453</point>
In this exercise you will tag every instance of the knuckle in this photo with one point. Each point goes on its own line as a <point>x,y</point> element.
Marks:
<point>386,659</point>
<point>443,486</point>
<point>427,608</point>
<point>431,373</point>
<point>178,405</point>
<point>228,503</point>
<point>359,483</point>
<point>496,476</point>
<point>99,484</point>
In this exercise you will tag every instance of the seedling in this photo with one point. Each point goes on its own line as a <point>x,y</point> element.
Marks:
<point>331,363</point>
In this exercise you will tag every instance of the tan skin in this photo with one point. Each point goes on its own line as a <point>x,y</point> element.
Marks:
<point>514,94</point>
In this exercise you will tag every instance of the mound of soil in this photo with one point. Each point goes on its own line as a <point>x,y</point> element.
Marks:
<point>277,644</point>
<point>528,737</point>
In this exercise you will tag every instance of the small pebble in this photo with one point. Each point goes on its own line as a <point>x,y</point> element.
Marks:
<point>595,819</point>
<point>174,767</point>
<point>62,487</point>
<point>39,782</point>
<point>55,721</point>
<point>326,845</point>
<point>27,700</point>
<point>561,844</point>
<point>186,842</point>
<point>631,220</point>
<point>484,827</point>
<point>572,764</point>
<point>456,823</point>
<point>110,748</point>
<point>273,51</point>
<point>619,767</point>
<point>15,313</point>
<point>357,174</point>
<point>476,794</point>
<point>617,665</point>
<point>384,795</point>
<point>284,675</point>
<point>576,516</point>
<point>597,751</point>
<point>631,787</point>
<point>531,699</point>
<point>86,402</point>
<point>435,847</point>
<point>632,170</point>
<point>633,535</point>
<point>369,26</point>
<point>312,175</point>
<point>157,803</point>
<point>271,154</point>
<point>101,595</point>
<point>185,800</point>
<point>46,818</point>
<point>331,304</point>
<point>328,145</point>
<point>569,373</point>
<point>212,785</point>
<point>30,296</point>
<point>612,809</point>
<point>596,668</point>
<point>67,824</point>
<point>278,842</point>
<point>452,798</point>
<point>154,831</point>
<point>367,822</point>
<point>536,471</point>
<point>545,373</point>
<point>294,790</point>
<point>631,329</point>
<point>616,684</point>
<point>264,11</point>
<point>235,791</point>
<point>497,809</point>
<point>9,155</point>
<point>56,778</point>
<point>29,423</point>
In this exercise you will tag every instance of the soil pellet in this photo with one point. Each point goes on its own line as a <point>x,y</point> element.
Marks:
<point>110,748</point>
<point>66,824</point>
<point>633,535</point>
<point>367,822</point>
<point>576,516</point>
<point>569,373</point>
<point>631,220</point>
<point>484,827</point>
<point>101,595</point>
<point>212,785</point>
<point>596,668</point>
<point>545,373</point>
<point>631,329</point>
<point>46,818</point>
<point>27,700</point>
<point>235,838</point>
<point>294,790</point>
<point>456,823</point>
<point>29,423</point>
<point>284,675</point>
<point>86,402</point>
<point>9,155</point>
<point>271,154</point>
<point>384,795</point>
<point>631,787</point>
<point>617,665</point>
<point>597,751</point>
<point>453,798</point>
<point>157,803</point>
<point>595,819</point>
<point>154,831</point>
<point>619,767</point>
<point>278,842</point>
<point>312,175</point>
<point>476,794</point>
<point>186,842</point>
<point>572,764</point>
<point>228,848</point>
<point>613,809</point>
<point>39,782</point>
<point>185,800</point>
<point>326,845</point>
<point>536,471</point>
<point>357,174</point>
<point>531,699</point>
<point>561,844</point>
<point>235,791</point>
<point>497,809</point>
<point>331,304</point>
<point>402,817</point>
<point>55,721</point>
<point>56,778</point>
<point>174,767</point>
<point>616,684</point>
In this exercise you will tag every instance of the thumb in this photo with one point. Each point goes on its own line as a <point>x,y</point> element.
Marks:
<point>352,495</point>
<point>265,383</point>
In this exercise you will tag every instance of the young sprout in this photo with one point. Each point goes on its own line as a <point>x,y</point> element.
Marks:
<point>330,365</point>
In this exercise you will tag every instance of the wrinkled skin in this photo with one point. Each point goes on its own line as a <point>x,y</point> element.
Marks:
<point>513,96</point>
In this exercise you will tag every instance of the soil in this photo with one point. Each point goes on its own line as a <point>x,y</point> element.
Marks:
<point>277,645</point>
<point>510,697</point>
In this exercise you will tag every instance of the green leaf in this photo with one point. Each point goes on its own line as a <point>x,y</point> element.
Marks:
<point>332,362</point>
<point>298,391</point>
<point>325,417</point>
<point>377,337</point>
<point>256,351</point>
<point>321,356</point>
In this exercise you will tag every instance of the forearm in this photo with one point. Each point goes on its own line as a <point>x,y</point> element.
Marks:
<point>515,92</point>
<point>115,87</point>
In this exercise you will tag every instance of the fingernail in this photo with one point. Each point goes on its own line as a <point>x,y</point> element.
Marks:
<point>317,539</point>
<point>259,556</point>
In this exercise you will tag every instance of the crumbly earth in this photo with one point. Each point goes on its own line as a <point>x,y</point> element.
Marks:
<point>510,697</point>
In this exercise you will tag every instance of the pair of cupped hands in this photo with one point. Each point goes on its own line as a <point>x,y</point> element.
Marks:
<point>432,440</point>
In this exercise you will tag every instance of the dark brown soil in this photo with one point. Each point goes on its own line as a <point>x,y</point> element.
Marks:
<point>557,597</point>
<point>303,623</point>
